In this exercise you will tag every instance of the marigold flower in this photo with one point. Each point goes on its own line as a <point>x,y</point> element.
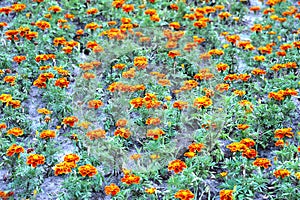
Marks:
<point>226,194</point>
<point>256,28</point>
<point>174,25</point>
<point>54,9</point>
<point>174,53</point>
<point>281,173</point>
<point>155,133</point>
<point>112,189</point>
<point>177,166</point>
<point>122,132</point>
<point>249,153</point>
<point>281,133</point>
<point>70,120</point>
<point>43,25</point>
<point>14,149</point>
<point>87,170</point>
<point>63,168</point>
<point>130,179</point>
<point>224,15</point>
<point>62,82</point>
<point>184,195</point>
<point>96,134</point>
<point>202,102</point>
<point>35,159</point>
<point>248,142</point>
<point>262,162</point>
<point>137,102</point>
<point>237,146</point>
<point>128,7</point>
<point>153,121</point>
<point>95,104</point>
<point>150,190</point>
<point>140,62</point>
<point>180,104</point>
<point>92,11</point>
<point>15,131</point>
<point>46,134</point>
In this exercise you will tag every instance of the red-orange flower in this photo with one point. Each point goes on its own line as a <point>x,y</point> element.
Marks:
<point>130,179</point>
<point>14,149</point>
<point>282,173</point>
<point>70,120</point>
<point>177,166</point>
<point>262,162</point>
<point>35,159</point>
<point>87,170</point>
<point>112,189</point>
<point>46,134</point>
<point>226,194</point>
<point>15,131</point>
<point>184,195</point>
<point>95,104</point>
<point>62,82</point>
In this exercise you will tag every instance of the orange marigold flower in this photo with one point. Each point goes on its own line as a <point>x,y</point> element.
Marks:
<point>184,195</point>
<point>226,194</point>
<point>63,168</point>
<point>95,104</point>
<point>141,62</point>
<point>262,162</point>
<point>92,11</point>
<point>122,132</point>
<point>135,156</point>
<point>70,120</point>
<point>128,7</point>
<point>249,153</point>
<point>174,25</point>
<point>248,142</point>
<point>177,166</point>
<point>222,67</point>
<point>42,24</point>
<point>14,149</point>
<point>279,143</point>
<point>55,9</point>
<point>92,26</point>
<point>190,154</point>
<point>87,170</point>
<point>3,126</point>
<point>130,179</point>
<point>258,71</point>
<point>174,53</point>
<point>112,189</point>
<point>256,28</point>
<point>137,102</point>
<point>150,190</point>
<point>71,158</point>
<point>224,15</point>
<point>233,38</point>
<point>281,133</point>
<point>282,173</point>
<point>153,121</point>
<point>19,59</point>
<point>155,133</point>
<point>121,123</point>
<point>196,147</point>
<point>239,92</point>
<point>35,159</point>
<point>202,102</point>
<point>222,87</point>
<point>62,82</point>
<point>46,134</point>
<point>237,146</point>
<point>15,131</point>
<point>180,105</point>
<point>18,7</point>
<point>96,134</point>
<point>255,8</point>
<point>259,58</point>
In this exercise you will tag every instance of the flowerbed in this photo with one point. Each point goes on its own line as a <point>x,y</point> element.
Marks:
<point>149,99</point>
